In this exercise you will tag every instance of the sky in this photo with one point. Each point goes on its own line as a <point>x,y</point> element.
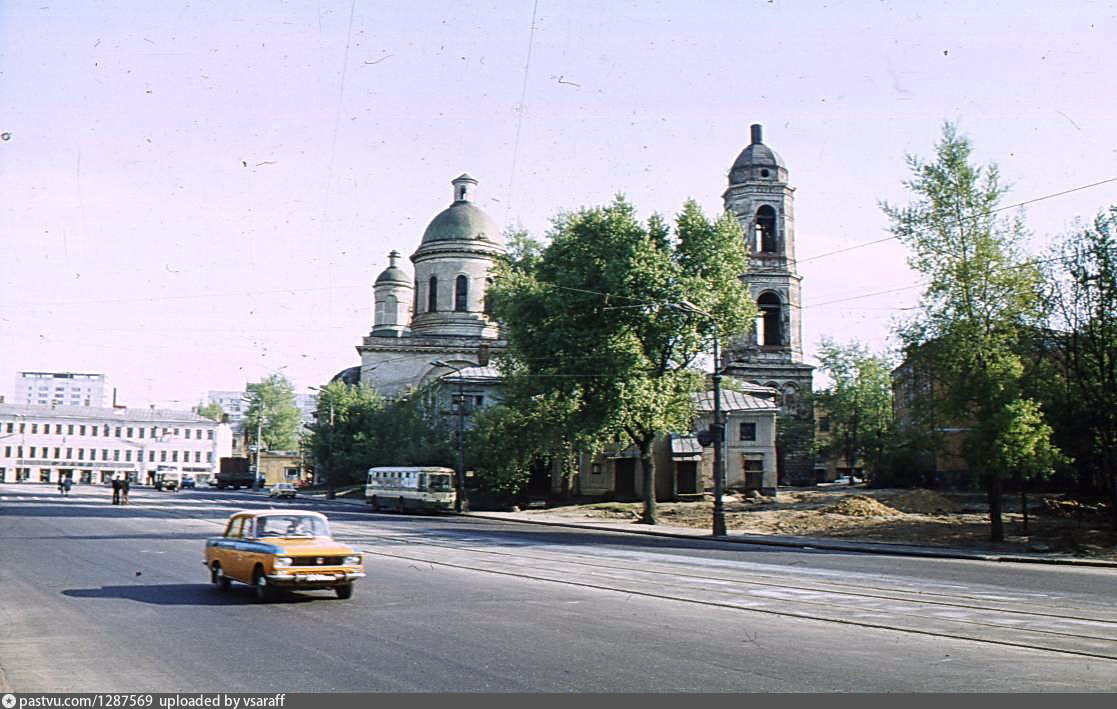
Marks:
<point>199,194</point>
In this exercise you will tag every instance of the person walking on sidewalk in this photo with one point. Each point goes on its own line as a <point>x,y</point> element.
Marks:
<point>116,488</point>
<point>67,483</point>
<point>124,485</point>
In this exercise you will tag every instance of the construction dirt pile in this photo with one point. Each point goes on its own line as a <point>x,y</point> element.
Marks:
<point>862,506</point>
<point>924,502</point>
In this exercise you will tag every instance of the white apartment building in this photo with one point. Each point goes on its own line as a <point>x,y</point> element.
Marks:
<point>59,389</point>
<point>44,443</point>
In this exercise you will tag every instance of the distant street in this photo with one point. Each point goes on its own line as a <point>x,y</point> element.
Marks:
<point>103,598</point>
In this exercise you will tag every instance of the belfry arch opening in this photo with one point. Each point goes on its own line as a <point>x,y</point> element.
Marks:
<point>764,230</point>
<point>769,321</point>
<point>461,294</point>
<point>432,294</point>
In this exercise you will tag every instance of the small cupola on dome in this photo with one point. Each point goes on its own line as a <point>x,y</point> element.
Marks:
<point>462,220</point>
<point>393,273</point>
<point>757,161</point>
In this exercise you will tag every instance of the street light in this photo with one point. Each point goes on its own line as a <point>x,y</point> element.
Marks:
<point>459,472</point>
<point>717,430</point>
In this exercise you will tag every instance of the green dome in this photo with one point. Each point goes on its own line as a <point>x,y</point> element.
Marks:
<point>462,220</point>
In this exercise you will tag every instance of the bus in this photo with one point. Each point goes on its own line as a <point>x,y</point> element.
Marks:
<point>402,489</point>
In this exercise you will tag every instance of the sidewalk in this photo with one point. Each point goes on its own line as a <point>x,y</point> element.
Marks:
<point>796,542</point>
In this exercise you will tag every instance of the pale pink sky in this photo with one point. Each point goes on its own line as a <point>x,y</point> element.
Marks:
<point>137,243</point>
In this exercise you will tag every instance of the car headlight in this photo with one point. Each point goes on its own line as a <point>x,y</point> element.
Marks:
<point>282,561</point>
<point>352,560</point>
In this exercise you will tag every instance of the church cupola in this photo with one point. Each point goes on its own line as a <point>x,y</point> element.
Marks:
<point>392,296</point>
<point>452,266</point>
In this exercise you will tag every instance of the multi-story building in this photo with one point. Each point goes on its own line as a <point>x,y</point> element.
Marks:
<point>59,389</point>
<point>88,445</point>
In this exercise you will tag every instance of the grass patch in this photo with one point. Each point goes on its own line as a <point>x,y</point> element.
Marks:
<point>621,507</point>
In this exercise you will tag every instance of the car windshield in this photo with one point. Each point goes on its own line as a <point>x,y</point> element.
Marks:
<point>291,526</point>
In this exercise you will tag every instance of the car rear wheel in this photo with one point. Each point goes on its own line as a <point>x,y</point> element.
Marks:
<point>264,590</point>
<point>218,578</point>
<point>400,504</point>
<point>344,592</point>
<point>374,503</point>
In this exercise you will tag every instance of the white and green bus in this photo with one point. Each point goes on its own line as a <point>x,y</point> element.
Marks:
<point>410,488</point>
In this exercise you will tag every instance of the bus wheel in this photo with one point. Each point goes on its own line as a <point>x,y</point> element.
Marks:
<point>344,592</point>
<point>374,503</point>
<point>400,504</point>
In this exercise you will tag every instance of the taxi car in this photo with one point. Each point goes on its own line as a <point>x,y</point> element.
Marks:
<point>282,490</point>
<point>273,550</point>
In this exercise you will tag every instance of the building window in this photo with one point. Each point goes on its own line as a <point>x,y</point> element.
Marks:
<point>210,436</point>
<point>81,454</point>
<point>129,432</point>
<point>432,294</point>
<point>58,428</point>
<point>128,456</point>
<point>209,457</point>
<point>142,432</point>
<point>197,456</point>
<point>748,431</point>
<point>769,322</point>
<point>10,426</point>
<point>461,293</point>
<point>70,429</point>
<point>69,453</point>
<point>174,456</point>
<point>34,428</point>
<point>81,430</point>
<point>57,453</point>
<point>104,454</point>
<point>116,454</point>
<point>162,456</point>
<point>151,456</point>
<point>31,451</point>
<point>186,433</point>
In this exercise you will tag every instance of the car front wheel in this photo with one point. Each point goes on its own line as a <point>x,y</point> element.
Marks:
<point>218,578</point>
<point>344,592</point>
<point>264,590</point>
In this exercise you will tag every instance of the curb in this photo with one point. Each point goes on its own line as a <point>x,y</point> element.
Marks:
<point>816,543</point>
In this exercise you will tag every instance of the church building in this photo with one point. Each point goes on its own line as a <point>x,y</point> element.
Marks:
<point>437,323</point>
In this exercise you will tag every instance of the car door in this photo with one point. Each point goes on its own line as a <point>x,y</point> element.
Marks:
<point>233,549</point>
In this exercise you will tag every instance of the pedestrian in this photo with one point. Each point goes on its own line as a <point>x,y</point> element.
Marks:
<point>124,490</point>
<point>60,491</point>
<point>116,488</point>
<point>67,482</point>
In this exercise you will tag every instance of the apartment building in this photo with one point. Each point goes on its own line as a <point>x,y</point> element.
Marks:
<point>59,389</point>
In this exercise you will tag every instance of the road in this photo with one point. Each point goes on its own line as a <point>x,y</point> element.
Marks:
<point>103,598</point>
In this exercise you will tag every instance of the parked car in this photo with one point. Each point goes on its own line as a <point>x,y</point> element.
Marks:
<point>187,482</point>
<point>275,550</point>
<point>282,490</point>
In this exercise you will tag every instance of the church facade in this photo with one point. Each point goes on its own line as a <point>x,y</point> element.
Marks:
<point>436,323</point>
<point>772,355</point>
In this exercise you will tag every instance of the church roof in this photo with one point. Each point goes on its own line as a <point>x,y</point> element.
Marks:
<point>462,220</point>
<point>393,273</point>
<point>733,401</point>
<point>755,155</point>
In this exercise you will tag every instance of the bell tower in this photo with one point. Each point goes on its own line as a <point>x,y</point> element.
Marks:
<point>772,354</point>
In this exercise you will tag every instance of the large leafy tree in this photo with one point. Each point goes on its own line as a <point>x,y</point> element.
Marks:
<point>858,402</point>
<point>596,335</point>
<point>356,429</point>
<point>1082,297</point>
<point>981,295</point>
<point>212,411</point>
<point>272,414</point>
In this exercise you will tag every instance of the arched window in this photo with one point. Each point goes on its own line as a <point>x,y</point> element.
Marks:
<point>769,322</point>
<point>432,294</point>
<point>390,315</point>
<point>764,230</point>
<point>461,293</point>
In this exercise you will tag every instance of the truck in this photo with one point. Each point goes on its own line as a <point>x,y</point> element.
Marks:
<point>235,473</point>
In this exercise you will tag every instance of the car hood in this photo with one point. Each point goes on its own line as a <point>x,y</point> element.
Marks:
<point>304,547</point>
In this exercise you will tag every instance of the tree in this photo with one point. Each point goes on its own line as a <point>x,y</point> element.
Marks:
<point>356,429</point>
<point>212,411</point>
<point>1082,300</point>
<point>858,403</point>
<point>594,330</point>
<point>273,413</point>
<point>981,294</point>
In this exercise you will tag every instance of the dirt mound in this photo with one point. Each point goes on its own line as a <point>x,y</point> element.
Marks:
<point>862,506</point>
<point>927,502</point>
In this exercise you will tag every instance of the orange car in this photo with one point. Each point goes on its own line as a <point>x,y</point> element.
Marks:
<point>282,549</point>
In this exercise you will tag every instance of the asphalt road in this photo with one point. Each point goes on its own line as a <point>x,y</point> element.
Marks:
<point>95,598</point>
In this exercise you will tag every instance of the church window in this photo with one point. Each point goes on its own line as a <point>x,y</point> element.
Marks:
<point>764,229</point>
<point>769,330</point>
<point>391,309</point>
<point>461,293</point>
<point>432,295</point>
